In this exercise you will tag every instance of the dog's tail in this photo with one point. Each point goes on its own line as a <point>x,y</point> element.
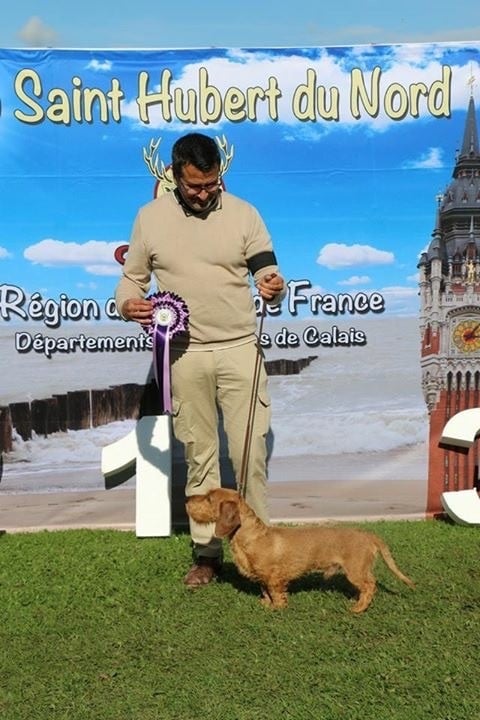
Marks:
<point>384,551</point>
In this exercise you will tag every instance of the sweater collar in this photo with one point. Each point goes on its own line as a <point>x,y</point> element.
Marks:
<point>191,213</point>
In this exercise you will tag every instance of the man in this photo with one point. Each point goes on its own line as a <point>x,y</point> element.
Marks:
<point>201,243</point>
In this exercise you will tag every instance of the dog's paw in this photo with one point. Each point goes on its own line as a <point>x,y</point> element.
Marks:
<point>279,603</point>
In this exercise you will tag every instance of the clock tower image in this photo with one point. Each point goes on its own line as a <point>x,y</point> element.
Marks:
<point>449,285</point>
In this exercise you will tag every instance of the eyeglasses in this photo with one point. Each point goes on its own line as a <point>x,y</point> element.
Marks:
<point>196,189</point>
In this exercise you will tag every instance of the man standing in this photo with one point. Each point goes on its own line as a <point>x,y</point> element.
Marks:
<point>202,243</point>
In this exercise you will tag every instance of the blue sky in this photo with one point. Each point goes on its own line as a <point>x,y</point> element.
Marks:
<point>158,24</point>
<point>350,204</point>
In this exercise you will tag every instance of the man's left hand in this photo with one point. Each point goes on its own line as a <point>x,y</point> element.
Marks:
<point>270,285</point>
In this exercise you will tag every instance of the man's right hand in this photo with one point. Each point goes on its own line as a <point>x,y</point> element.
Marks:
<point>138,310</point>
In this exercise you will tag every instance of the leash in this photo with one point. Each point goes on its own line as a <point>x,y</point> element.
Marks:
<point>242,482</point>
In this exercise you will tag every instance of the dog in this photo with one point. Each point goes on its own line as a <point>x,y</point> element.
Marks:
<point>274,556</point>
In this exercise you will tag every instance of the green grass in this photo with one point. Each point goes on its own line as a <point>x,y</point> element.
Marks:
<point>96,625</point>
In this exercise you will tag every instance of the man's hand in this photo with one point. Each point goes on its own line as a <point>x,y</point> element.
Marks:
<point>270,285</point>
<point>138,310</point>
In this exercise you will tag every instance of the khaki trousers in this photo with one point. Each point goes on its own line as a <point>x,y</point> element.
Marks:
<point>202,383</point>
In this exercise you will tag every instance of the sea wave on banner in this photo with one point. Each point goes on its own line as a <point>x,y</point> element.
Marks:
<point>353,432</point>
<point>353,399</point>
<point>291,435</point>
<point>347,400</point>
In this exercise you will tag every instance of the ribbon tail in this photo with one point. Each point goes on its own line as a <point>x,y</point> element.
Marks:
<point>161,366</point>
<point>156,351</point>
<point>167,392</point>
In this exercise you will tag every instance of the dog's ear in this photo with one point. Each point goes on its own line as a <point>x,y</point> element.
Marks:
<point>228,519</point>
<point>199,508</point>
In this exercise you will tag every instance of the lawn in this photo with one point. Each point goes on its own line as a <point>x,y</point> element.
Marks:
<point>96,625</point>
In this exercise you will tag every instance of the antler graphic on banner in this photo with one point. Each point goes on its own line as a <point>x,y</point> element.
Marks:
<point>227,152</point>
<point>163,174</point>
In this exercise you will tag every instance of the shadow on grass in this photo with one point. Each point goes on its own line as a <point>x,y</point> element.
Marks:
<point>311,582</point>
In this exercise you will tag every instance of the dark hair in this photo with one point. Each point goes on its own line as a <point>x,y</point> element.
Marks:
<point>195,149</point>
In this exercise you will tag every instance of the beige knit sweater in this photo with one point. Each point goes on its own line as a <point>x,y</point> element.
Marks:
<point>204,260</point>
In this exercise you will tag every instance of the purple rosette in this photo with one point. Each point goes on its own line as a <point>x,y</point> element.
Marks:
<point>169,318</point>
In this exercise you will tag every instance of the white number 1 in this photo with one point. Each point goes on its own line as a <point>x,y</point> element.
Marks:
<point>146,449</point>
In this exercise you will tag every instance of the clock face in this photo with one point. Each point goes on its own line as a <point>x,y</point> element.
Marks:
<point>466,335</point>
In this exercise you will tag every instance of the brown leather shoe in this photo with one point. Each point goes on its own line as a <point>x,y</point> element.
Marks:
<point>202,572</point>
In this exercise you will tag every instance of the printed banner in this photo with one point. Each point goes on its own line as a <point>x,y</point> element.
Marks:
<point>346,152</point>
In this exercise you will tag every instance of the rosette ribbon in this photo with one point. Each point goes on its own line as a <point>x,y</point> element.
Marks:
<point>169,318</point>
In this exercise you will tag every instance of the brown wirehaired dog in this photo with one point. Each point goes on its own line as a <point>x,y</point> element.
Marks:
<point>274,556</point>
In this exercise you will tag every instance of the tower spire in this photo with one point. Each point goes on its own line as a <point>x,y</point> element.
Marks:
<point>470,149</point>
